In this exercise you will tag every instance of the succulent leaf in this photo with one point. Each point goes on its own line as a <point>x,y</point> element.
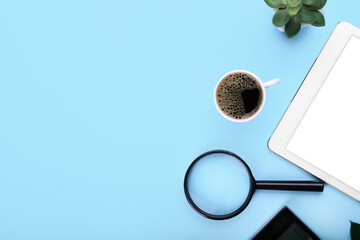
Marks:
<point>293,3</point>
<point>281,17</point>
<point>292,27</point>
<point>309,2</point>
<point>354,230</point>
<point>319,19</point>
<point>315,4</point>
<point>307,16</point>
<point>275,3</point>
<point>294,10</point>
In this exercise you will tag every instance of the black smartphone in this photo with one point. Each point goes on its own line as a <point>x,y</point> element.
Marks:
<point>285,225</point>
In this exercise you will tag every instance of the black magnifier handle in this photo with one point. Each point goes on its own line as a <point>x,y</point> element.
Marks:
<point>313,186</point>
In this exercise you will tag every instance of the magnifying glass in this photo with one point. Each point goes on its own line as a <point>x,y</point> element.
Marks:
<point>219,185</point>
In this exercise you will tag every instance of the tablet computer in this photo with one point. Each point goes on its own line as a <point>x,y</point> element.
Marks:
<point>320,130</point>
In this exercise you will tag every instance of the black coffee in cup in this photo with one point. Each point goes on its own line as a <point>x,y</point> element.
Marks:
<point>239,95</point>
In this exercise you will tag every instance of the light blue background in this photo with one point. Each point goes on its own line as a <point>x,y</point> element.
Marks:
<point>104,104</point>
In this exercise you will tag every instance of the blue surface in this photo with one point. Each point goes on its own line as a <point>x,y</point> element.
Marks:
<point>104,104</point>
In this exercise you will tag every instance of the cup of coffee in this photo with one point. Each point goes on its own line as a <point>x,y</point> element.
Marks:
<point>240,95</point>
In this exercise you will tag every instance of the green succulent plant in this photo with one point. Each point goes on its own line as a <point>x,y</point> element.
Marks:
<point>354,231</point>
<point>291,13</point>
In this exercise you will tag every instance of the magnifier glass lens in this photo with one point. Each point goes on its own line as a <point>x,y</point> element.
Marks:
<point>219,184</point>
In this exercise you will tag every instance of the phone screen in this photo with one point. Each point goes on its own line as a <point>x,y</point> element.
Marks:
<point>285,225</point>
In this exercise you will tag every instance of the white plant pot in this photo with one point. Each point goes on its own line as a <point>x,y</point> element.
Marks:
<point>282,29</point>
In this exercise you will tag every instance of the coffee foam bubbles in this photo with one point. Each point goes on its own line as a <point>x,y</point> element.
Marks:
<point>229,95</point>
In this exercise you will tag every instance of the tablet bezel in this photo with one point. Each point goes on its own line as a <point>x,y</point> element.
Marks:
<point>304,98</point>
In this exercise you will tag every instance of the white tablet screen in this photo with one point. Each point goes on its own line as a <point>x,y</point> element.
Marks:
<point>329,134</point>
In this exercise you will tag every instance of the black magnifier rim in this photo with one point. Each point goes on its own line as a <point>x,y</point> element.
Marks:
<point>214,216</point>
